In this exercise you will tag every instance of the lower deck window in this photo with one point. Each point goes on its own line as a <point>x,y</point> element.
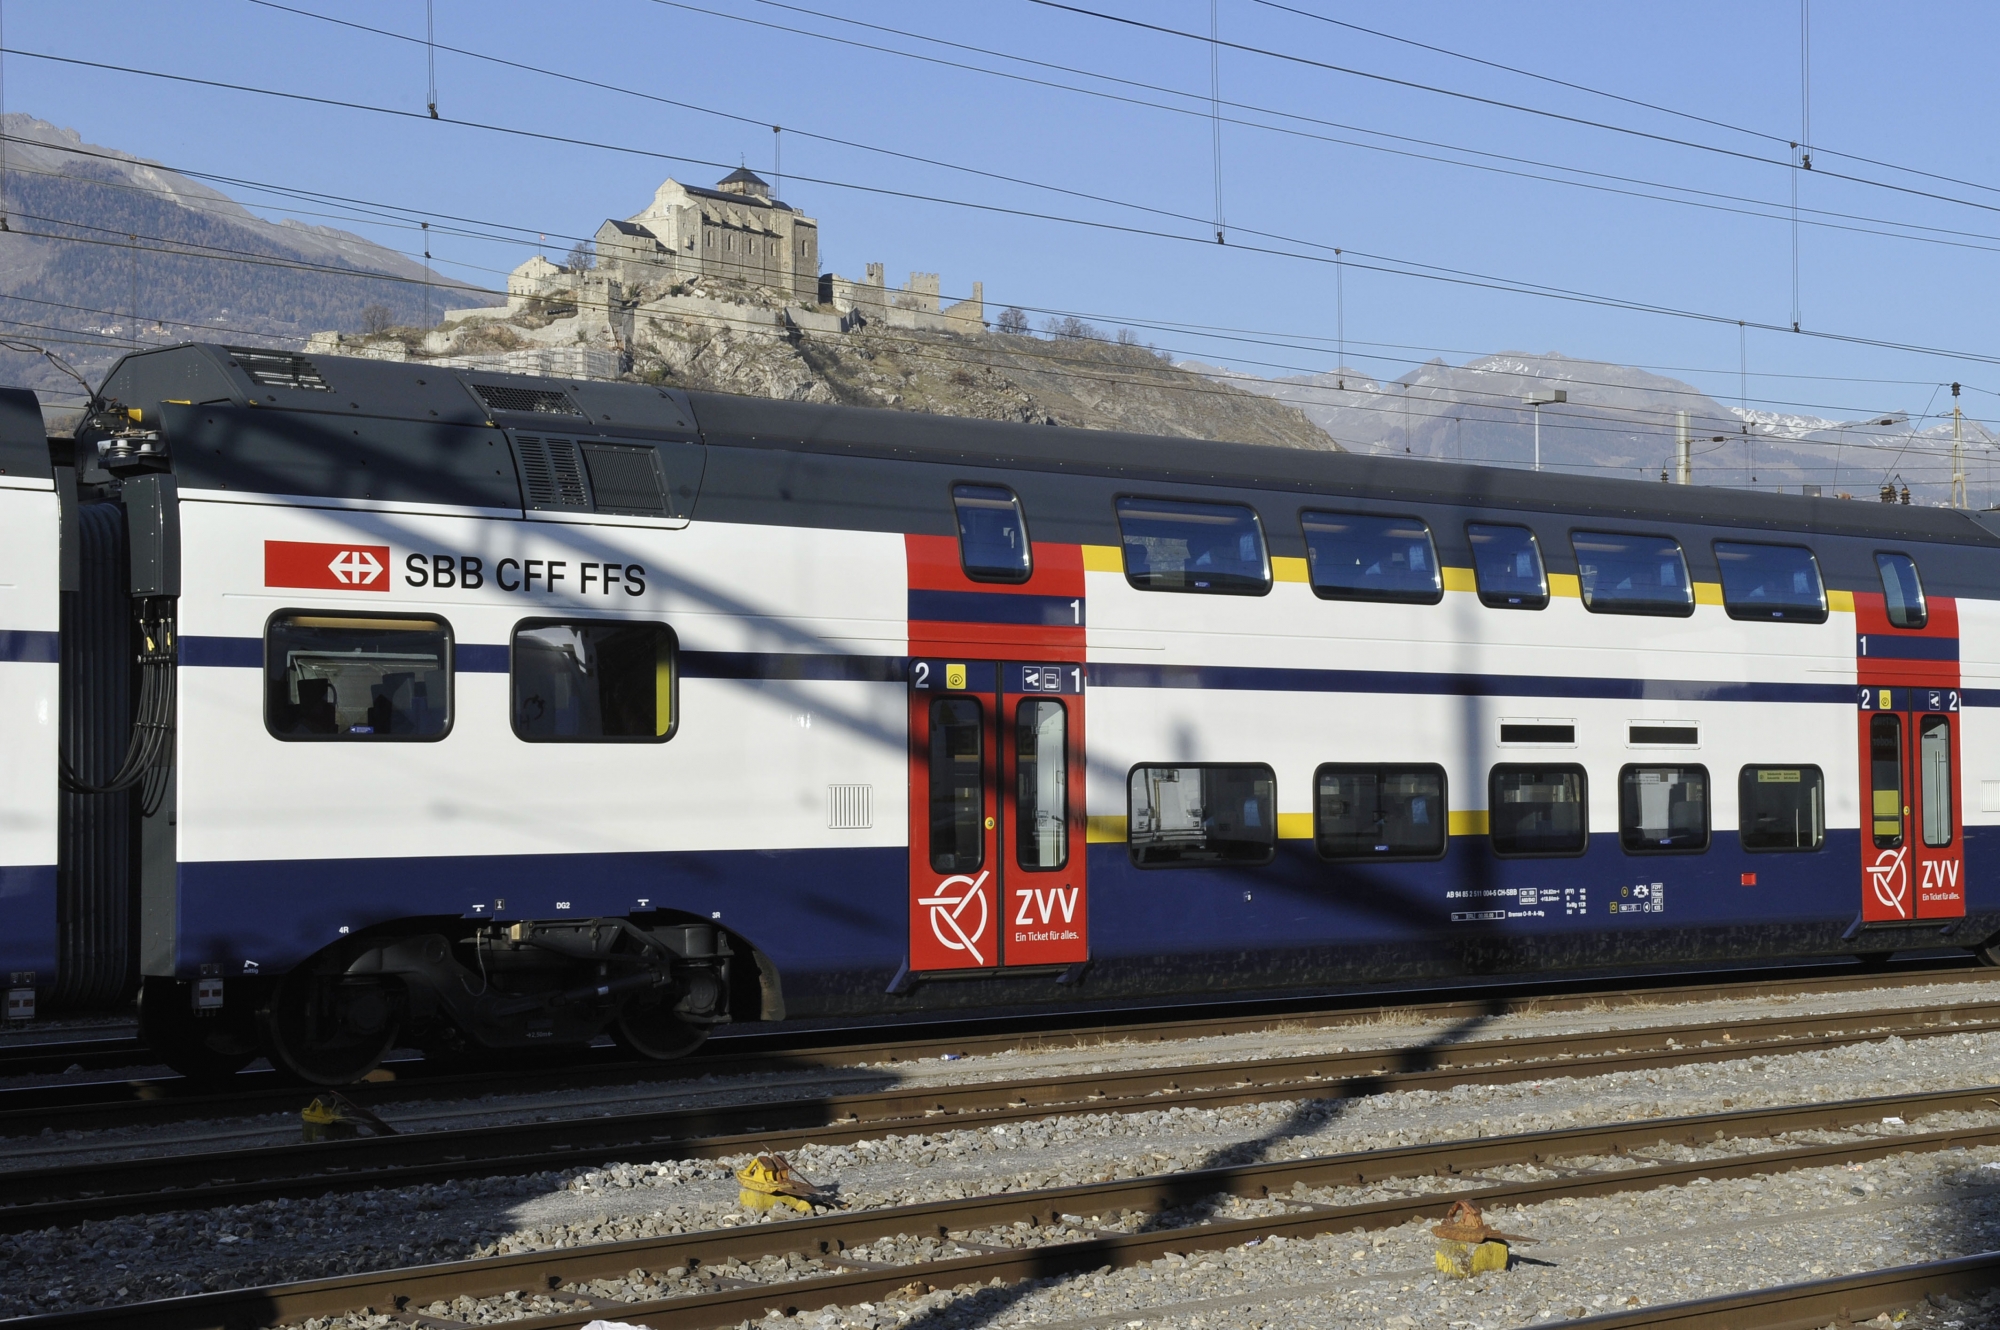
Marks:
<point>1781,808</point>
<point>592,681</point>
<point>1195,815</point>
<point>1663,809</point>
<point>1369,812</point>
<point>1538,810</point>
<point>357,676</point>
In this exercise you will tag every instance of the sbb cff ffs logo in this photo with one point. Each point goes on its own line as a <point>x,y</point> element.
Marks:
<point>323,567</point>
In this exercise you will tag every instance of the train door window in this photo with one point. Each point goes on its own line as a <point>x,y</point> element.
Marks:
<point>958,784</point>
<point>1538,810</point>
<point>1934,770</point>
<point>992,534</point>
<point>1192,816</point>
<point>1625,574</point>
<point>1663,810</point>
<point>1781,808</point>
<point>357,676</point>
<point>1902,590</point>
<point>1370,812</point>
<point>592,681</point>
<point>1885,778</point>
<point>1173,546</point>
<point>1770,582</point>
<point>1041,772</point>
<point>1507,566</point>
<point>1354,556</point>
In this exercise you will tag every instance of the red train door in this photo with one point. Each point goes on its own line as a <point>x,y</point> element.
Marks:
<point>1912,829</point>
<point>996,818</point>
<point>1912,842</point>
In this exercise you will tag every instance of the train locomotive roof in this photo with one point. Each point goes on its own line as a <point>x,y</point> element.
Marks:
<point>201,374</point>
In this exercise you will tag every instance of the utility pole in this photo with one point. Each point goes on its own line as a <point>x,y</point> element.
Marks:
<point>1539,399</point>
<point>1958,495</point>
<point>1683,453</point>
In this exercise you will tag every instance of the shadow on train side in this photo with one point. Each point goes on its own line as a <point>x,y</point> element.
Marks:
<point>1194,1196</point>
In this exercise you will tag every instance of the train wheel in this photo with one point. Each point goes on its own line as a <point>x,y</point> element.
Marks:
<point>649,1029</point>
<point>328,1032</point>
<point>1989,954</point>
<point>201,1049</point>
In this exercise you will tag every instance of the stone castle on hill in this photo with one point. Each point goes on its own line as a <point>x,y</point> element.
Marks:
<point>730,259</point>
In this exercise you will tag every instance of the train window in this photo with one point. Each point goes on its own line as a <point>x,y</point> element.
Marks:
<point>1538,810</point>
<point>1041,772</point>
<point>992,534</point>
<point>357,676</point>
<point>1781,808</point>
<point>1353,556</point>
<point>1190,816</point>
<point>1934,770</point>
<point>1371,812</point>
<point>1172,546</point>
<point>958,785</point>
<point>1507,566</point>
<point>1885,779</point>
<point>592,681</point>
<point>1625,574</point>
<point>1771,582</point>
<point>1902,590</point>
<point>1663,810</point>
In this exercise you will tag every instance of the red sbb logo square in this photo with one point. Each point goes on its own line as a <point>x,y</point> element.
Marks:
<point>319,567</point>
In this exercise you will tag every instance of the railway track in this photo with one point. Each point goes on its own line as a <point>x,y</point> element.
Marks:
<point>1060,1233</point>
<point>94,1105</point>
<point>62,1194</point>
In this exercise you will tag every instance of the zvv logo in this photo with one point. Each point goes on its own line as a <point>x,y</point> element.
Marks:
<point>949,913</point>
<point>323,567</point>
<point>1889,880</point>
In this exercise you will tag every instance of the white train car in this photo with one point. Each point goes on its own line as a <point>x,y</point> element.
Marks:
<point>513,710</point>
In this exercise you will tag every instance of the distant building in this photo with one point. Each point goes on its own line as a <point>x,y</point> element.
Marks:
<point>735,232</point>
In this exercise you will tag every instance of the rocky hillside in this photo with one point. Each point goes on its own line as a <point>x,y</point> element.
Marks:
<point>105,251</point>
<point>1077,381</point>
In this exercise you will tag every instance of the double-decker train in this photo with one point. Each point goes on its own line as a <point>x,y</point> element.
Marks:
<point>350,705</point>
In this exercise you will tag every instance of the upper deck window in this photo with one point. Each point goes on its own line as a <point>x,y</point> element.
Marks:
<point>1902,590</point>
<point>1354,556</point>
<point>357,676</point>
<point>1507,566</point>
<point>992,534</point>
<point>1626,574</point>
<point>1175,546</point>
<point>1771,582</point>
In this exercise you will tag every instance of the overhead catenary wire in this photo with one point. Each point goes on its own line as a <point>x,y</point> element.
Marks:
<point>1779,211</point>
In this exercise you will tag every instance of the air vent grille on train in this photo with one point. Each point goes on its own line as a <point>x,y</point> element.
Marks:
<point>552,473</point>
<point>277,369</point>
<point>850,807</point>
<point>547,401</point>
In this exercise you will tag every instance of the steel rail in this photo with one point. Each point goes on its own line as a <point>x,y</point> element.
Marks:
<point>1847,1300</point>
<point>27,1110</point>
<point>826,1238</point>
<point>67,1193</point>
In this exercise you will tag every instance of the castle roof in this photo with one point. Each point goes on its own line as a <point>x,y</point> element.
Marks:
<point>743,175</point>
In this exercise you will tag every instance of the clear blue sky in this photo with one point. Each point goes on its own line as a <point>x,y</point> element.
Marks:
<point>1908,85</point>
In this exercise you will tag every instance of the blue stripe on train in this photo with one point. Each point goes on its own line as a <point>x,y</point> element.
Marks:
<point>995,607</point>
<point>25,645</point>
<point>825,913</point>
<point>1886,646</point>
<point>28,920</point>
<point>487,658</point>
<point>1267,679</point>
